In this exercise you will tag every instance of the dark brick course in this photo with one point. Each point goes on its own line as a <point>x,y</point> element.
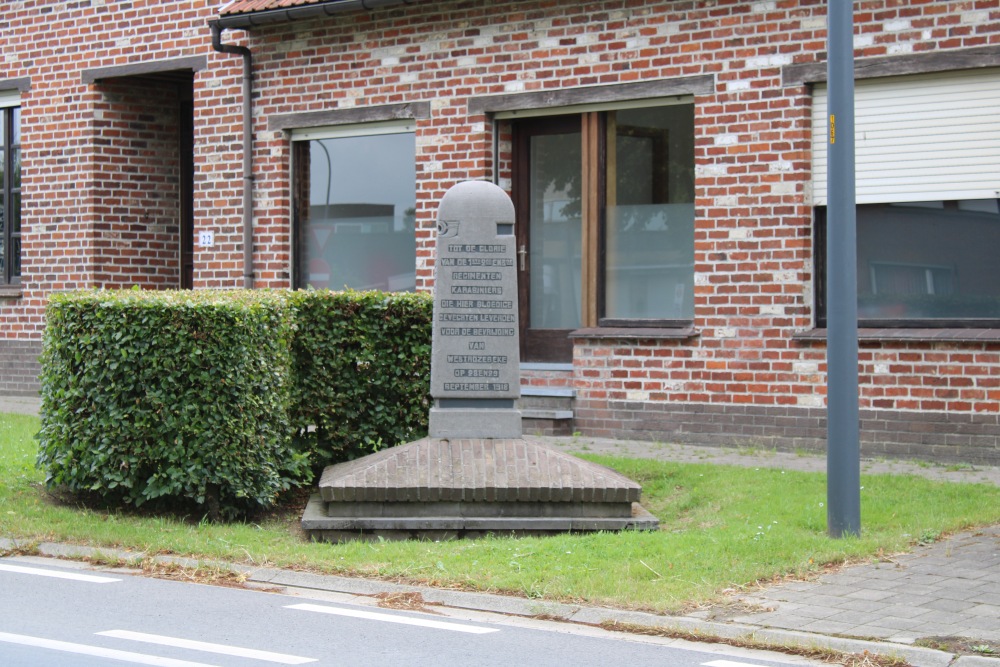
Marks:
<point>19,367</point>
<point>937,436</point>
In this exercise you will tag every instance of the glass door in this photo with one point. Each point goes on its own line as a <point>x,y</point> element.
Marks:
<point>548,157</point>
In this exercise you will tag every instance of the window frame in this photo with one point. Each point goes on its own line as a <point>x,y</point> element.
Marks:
<point>819,293</point>
<point>303,135</point>
<point>8,191</point>
<point>593,124</point>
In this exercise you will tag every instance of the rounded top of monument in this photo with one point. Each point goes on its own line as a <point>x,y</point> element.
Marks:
<point>474,202</point>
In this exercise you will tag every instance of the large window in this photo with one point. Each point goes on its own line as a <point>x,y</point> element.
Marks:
<point>355,208</point>
<point>928,181</point>
<point>925,263</point>
<point>10,195</point>
<point>605,223</point>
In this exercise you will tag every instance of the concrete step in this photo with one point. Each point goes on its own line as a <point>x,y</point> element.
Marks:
<point>546,411</point>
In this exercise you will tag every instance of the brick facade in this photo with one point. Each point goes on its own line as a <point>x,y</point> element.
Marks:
<point>101,182</point>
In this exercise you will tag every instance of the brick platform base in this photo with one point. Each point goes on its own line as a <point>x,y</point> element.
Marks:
<point>442,489</point>
<point>19,367</point>
<point>934,436</point>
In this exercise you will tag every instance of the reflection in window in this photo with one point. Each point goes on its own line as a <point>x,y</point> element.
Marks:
<point>927,261</point>
<point>556,235</point>
<point>10,196</point>
<point>649,270</point>
<point>356,210</point>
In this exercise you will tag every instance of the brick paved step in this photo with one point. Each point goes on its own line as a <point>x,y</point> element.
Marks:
<point>471,486</point>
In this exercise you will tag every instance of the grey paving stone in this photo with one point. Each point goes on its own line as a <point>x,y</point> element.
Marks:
<point>828,627</point>
<point>869,594</point>
<point>902,622</point>
<point>985,611</point>
<point>987,598</point>
<point>869,630</point>
<point>907,611</point>
<point>944,604</point>
<point>907,600</point>
<point>855,618</point>
<point>864,606</point>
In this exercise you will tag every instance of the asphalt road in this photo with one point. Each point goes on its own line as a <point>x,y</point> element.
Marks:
<point>58,613</point>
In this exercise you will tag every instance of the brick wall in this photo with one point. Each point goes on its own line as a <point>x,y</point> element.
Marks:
<point>19,367</point>
<point>753,236</point>
<point>136,185</point>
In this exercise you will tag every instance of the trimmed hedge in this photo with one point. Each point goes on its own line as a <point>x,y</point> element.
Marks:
<point>362,371</point>
<point>178,396</point>
<point>224,399</point>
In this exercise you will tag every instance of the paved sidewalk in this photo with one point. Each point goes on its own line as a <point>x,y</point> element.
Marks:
<point>947,589</point>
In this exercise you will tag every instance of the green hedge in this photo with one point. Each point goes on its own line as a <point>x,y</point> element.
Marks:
<point>176,396</point>
<point>225,399</point>
<point>361,362</point>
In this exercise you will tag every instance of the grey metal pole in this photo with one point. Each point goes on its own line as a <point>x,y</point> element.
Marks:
<point>843,464</point>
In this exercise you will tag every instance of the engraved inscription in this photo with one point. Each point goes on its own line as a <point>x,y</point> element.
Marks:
<point>476,318</point>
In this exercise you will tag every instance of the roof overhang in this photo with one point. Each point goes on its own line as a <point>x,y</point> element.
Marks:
<point>247,20</point>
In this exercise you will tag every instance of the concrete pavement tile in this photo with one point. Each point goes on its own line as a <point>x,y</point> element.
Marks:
<point>922,579</point>
<point>888,571</point>
<point>983,623</point>
<point>962,591</point>
<point>941,617</point>
<point>985,611</point>
<point>814,612</point>
<point>954,606</point>
<point>828,627</point>
<point>873,631</point>
<point>835,590</point>
<point>908,600</point>
<point>921,589</point>
<point>939,630</point>
<point>799,586</point>
<point>986,598</point>
<point>864,606</point>
<point>910,623</point>
<point>975,661</point>
<point>988,586</point>
<point>869,594</point>
<point>907,611</point>
<point>855,618</point>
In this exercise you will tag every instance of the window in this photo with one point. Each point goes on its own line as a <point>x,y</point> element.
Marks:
<point>928,182</point>
<point>355,208</point>
<point>925,263</point>
<point>10,195</point>
<point>605,223</point>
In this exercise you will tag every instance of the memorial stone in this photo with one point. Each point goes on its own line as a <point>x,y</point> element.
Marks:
<point>475,363</point>
<point>475,473</point>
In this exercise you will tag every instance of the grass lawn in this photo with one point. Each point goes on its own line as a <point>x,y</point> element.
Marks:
<point>722,527</point>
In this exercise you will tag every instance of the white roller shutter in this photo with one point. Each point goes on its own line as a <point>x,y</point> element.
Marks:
<point>10,98</point>
<point>919,138</point>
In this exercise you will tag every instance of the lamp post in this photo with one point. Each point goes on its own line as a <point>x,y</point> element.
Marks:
<point>843,464</point>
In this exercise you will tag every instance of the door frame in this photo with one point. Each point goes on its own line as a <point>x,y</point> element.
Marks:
<point>555,345</point>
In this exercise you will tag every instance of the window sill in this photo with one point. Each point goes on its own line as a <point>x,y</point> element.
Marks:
<point>927,335</point>
<point>637,333</point>
<point>14,292</point>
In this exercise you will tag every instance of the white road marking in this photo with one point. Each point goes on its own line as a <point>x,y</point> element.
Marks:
<point>161,640</point>
<point>728,663</point>
<point>20,569</point>
<point>389,618</point>
<point>97,651</point>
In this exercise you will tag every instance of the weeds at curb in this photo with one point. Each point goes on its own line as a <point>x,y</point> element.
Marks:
<point>830,656</point>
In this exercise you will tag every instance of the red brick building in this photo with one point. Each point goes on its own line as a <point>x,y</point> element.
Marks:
<point>666,157</point>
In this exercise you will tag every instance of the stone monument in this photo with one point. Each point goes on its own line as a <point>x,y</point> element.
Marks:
<point>475,378</point>
<point>475,473</point>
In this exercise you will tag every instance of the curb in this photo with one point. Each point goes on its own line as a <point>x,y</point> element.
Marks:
<point>513,606</point>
